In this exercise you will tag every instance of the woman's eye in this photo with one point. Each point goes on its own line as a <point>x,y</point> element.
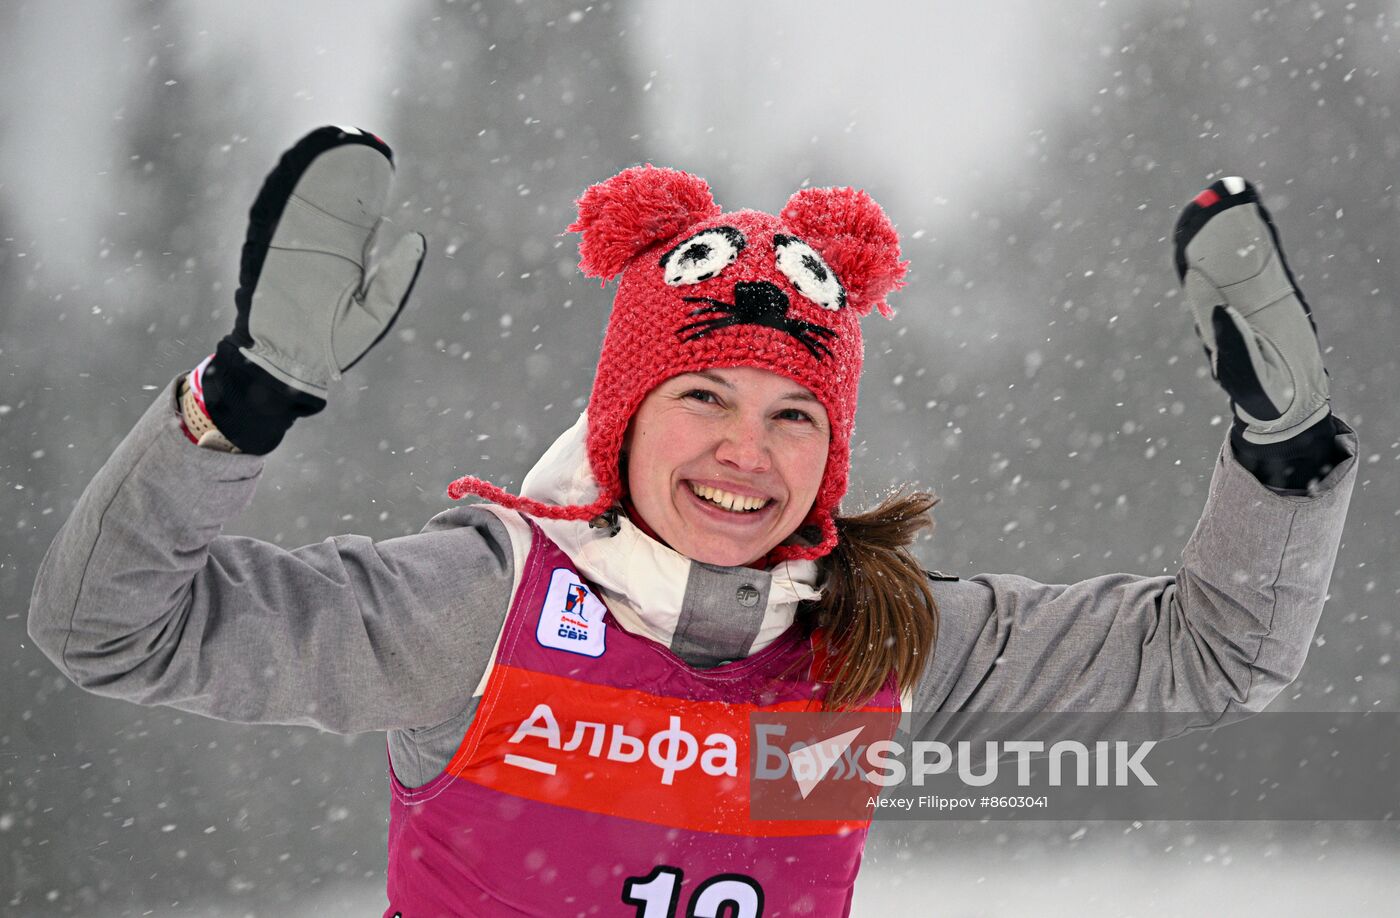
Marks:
<point>809,274</point>
<point>795,414</point>
<point>701,395</point>
<point>702,256</point>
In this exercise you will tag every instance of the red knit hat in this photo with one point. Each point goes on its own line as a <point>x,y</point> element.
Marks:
<point>702,289</point>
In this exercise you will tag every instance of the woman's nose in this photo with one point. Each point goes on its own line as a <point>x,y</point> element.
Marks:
<point>744,446</point>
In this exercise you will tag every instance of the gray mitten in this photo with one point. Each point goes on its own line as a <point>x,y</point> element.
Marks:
<point>1257,329</point>
<point>314,294</point>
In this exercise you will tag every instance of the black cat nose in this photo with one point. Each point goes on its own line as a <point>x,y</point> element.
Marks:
<point>760,298</point>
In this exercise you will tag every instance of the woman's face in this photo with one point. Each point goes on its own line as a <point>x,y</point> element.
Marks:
<point>724,464</point>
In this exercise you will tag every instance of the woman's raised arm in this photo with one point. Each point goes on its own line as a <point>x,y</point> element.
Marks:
<point>1232,628</point>
<point>141,598</point>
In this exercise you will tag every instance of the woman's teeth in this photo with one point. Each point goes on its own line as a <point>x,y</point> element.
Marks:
<point>733,502</point>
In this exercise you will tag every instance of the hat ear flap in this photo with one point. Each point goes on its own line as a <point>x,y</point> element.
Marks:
<point>855,238</point>
<point>634,209</point>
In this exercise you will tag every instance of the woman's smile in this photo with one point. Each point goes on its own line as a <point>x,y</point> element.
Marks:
<point>723,497</point>
<point>727,507</point>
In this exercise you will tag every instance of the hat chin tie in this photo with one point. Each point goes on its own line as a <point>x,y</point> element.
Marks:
<point>469,484</point>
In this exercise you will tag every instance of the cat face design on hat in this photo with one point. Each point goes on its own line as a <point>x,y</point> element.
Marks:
<point>726,281</point>
<point>702,289</point>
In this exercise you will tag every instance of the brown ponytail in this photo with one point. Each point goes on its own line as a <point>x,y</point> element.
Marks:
<point>877,611</point>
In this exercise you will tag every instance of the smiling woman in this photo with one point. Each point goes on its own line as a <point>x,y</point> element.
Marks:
<point>720,421</point>
<point>567,676</point>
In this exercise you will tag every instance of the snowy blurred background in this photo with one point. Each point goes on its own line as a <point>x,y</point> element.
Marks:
<point>1041,373</point>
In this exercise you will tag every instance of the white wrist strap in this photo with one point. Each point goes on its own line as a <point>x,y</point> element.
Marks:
<point>197,416</point>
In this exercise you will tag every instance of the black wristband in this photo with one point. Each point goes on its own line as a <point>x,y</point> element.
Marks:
<point>250,406</point>
<point>1294,463</point>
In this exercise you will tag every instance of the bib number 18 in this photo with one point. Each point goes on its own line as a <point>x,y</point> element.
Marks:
<point>724,895</point>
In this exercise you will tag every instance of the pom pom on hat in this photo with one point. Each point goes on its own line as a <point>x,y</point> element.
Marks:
<point>856,239</point>
<point>634,209</point>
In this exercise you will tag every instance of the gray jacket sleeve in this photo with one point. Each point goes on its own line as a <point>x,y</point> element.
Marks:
<point>141,598</point>
<point>1226,634</point>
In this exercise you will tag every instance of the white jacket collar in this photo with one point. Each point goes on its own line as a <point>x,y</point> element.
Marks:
<point>643,581</point>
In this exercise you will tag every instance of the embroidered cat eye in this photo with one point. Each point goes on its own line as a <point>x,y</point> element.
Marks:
<point>702,256</point>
